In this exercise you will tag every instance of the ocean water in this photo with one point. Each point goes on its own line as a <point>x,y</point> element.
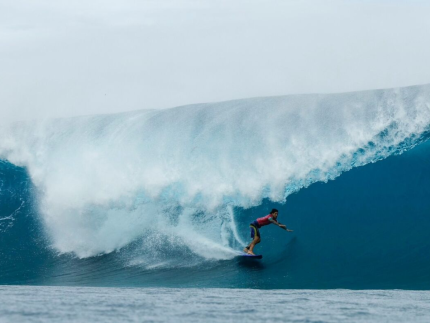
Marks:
<point>163,198</point>
<point>89,304</point>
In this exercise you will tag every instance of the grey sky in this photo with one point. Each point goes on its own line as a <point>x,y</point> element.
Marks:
<point>64,58</point>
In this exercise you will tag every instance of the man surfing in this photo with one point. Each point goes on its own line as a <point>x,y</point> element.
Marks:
<point>257,224</point>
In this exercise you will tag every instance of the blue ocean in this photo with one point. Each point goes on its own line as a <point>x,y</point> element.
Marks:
<point>161,200</point>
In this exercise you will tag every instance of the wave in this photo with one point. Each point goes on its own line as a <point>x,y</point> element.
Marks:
<point>170,189</point>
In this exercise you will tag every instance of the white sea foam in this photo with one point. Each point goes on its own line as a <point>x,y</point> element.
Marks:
<point>212,305</point>
<point>104,181</point>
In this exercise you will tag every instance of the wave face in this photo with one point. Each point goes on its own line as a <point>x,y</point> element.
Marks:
<point>164,198</point>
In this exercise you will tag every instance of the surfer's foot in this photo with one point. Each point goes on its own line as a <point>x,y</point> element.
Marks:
<point>245,250</point>
<point>250,253</point>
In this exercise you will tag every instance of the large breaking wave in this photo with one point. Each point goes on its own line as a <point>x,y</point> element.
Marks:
<point>164,191</point>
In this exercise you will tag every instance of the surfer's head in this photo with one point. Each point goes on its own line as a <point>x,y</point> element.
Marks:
<point>274,212</point>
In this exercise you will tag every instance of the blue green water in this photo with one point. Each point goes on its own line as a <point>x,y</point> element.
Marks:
<point>164,198</point>
<point>367,229</point>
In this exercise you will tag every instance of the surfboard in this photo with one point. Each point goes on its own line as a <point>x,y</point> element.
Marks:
<point>245,255</point>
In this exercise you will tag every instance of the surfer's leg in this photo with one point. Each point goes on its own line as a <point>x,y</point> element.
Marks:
<point>252,245</point>
<point>247,247</point>
<point>245,250</point>
<point>254,235</point>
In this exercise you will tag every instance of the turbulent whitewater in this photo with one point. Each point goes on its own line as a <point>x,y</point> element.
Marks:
<point>164,197</point>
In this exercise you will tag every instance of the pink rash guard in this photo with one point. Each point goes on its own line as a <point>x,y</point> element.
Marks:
<point>265,220</point>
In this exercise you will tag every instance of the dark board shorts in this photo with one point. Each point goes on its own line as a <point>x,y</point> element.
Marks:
<point>254,229</point>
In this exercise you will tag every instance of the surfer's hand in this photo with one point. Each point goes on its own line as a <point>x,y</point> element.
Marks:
<point>289,230</point>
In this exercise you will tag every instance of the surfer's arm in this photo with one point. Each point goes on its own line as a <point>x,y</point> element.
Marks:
<point>282,226</point>
<point>278,224</point>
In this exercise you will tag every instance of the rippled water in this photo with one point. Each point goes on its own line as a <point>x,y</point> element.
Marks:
<point>87,304</point>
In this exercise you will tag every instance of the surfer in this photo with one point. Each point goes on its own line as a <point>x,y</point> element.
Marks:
<point>257,224</point>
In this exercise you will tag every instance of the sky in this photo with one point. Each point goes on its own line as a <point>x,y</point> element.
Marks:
<point>66,58</point>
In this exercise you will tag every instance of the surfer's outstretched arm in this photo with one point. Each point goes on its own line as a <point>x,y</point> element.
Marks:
<point>282,226</point>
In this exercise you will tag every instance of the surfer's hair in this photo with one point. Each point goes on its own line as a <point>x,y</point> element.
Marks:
<point>273,211</point>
